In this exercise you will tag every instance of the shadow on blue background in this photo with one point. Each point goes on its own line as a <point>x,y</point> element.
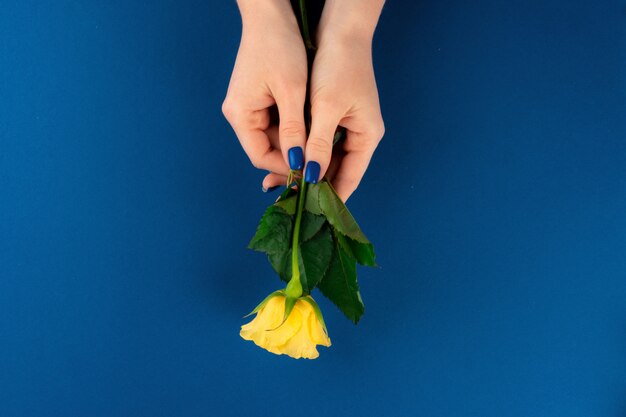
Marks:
<point>126,205</point>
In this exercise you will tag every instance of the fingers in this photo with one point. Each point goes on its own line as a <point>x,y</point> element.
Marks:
<point>271,181</point>
<point>261,154</point>
<point>291,130</point>
<point>249,126</point>
<point>272,149</point>
<point>272,134</point>
<point>360,147</point>
<point>319,145</point>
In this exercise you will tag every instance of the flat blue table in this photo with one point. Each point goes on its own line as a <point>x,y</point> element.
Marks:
<point>497,203</point>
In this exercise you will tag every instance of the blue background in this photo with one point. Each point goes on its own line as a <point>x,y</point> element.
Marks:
<point>497,202</point>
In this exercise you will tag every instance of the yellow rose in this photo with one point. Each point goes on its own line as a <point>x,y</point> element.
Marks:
<point>296,337</point>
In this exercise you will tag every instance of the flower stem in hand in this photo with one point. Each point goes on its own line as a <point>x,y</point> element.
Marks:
<point>294,287</point>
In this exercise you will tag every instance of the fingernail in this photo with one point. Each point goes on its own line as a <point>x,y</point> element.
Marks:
<point>296,158</point>
<point>269,190</point>
<point>312,173</point>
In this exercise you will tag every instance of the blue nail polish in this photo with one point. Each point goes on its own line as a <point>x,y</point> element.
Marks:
<point>269,190</point>
<point>312,173</point>
<point>296,158</point>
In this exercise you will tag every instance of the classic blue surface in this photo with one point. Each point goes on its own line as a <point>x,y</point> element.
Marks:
<point>497,203</point>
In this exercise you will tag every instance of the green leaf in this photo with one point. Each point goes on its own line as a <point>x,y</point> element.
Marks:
<point>316,256</point>
<point>273,234</point>
<point>279,262</point>
<point>287,192</point>
<point>363,253</point>
<point>331,243</point>
<point>340,285</point>
<point>314,259</point>
<point>288,204</point>
<point>310,225</point>
<point>312,201</point>
<point>338,214</point>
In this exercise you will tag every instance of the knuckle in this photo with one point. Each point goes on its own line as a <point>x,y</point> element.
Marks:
<point>380,131</point>
<point>376,130</point>
<point>291,90</point>
<point>291,128</point>
<point>230,109</point>
<point>319,146</point>
<point>237,115</point>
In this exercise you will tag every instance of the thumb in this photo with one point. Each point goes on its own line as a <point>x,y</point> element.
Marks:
<point>319,146</point>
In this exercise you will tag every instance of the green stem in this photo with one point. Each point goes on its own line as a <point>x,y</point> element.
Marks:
<point>294,287</point>
<point>295,284</point>
<point>305,26</point>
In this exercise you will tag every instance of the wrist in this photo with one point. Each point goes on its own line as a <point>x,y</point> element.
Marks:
<point>260,12</point>
<point>351,20</point>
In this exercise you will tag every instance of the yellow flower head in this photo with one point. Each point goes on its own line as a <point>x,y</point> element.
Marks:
<point>296,337</point>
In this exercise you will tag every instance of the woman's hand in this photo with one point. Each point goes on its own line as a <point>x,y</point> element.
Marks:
<point>344,93</point>
<point>271,69</point>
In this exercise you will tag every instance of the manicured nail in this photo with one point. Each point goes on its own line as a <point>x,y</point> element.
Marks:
<point>312,173</point>
<point>296,158</point>
<point>269,190</point>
